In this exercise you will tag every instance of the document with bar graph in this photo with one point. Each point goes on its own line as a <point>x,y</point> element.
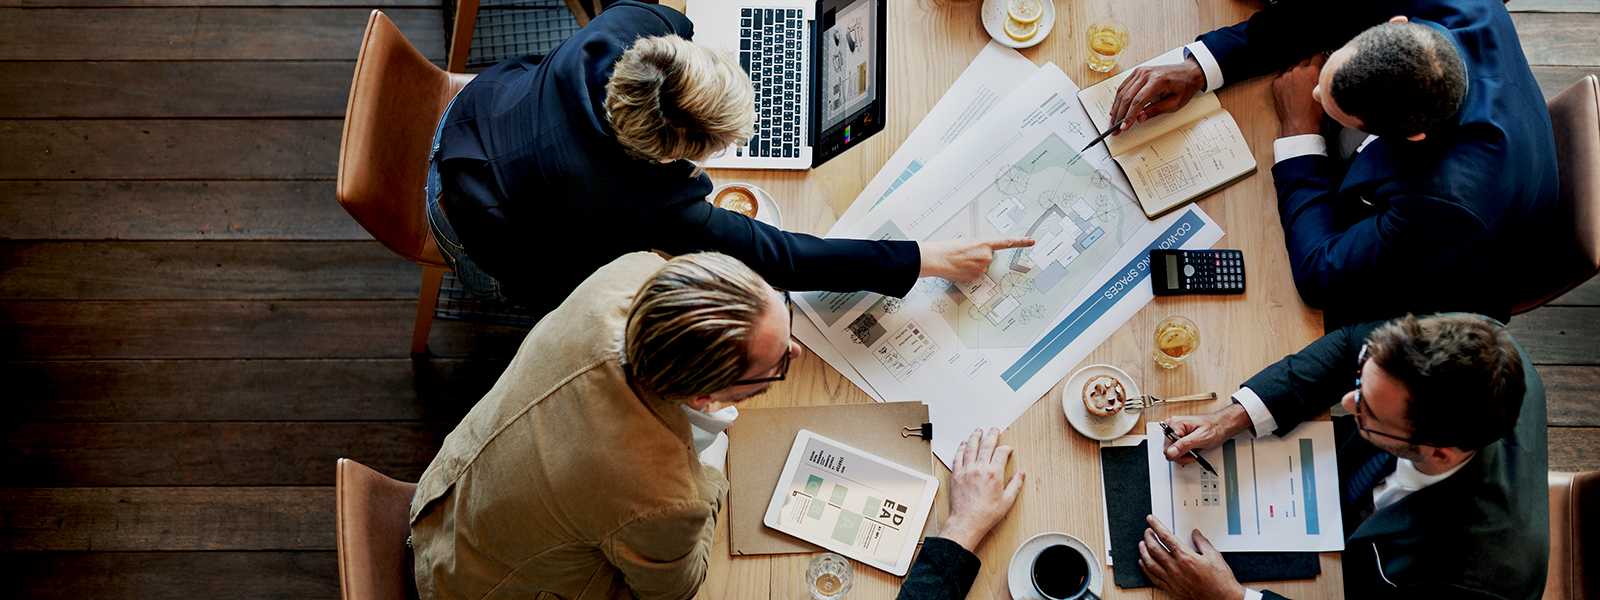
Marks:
<point>1270,494</point>
<point>851,502</point>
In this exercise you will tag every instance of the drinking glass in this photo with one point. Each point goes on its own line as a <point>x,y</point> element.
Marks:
<point>829,577</point>
<point>1107,37</point>
<point>1176,338</point>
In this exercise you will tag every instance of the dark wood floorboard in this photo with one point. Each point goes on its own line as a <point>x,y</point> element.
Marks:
<point>1560,335</point>
<point>117,391</point>
<point>87,330</point>
<point>174,210</point>
<point>1572,395</point>
<point>204,271</point>
<point>306,575</point>
<point>46,455</point>
<point>146,89</point>
<point>1564,39</point>
<point>119,519</point>
<point>171,149</point>
<point>246,34</point>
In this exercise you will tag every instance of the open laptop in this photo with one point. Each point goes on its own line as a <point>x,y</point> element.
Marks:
<point>818,70</point>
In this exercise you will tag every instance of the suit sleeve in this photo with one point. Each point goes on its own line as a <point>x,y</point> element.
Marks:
<point>663,555</point>
<point>1333,250</point>
<point>794,261</point>
<point>943,571</point>
<point>1308,382</point>
<point>1283,34</point>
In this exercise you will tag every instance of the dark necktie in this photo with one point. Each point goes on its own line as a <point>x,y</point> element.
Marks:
<point>1358,491</point>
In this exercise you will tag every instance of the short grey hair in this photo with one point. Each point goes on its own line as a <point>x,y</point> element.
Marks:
<point>669,99</point>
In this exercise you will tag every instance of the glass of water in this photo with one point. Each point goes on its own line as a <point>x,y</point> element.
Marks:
<point>829,577</point>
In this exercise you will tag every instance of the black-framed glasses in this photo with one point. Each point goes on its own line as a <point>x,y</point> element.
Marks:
<point>1361,360</point>
<point>783,366</point>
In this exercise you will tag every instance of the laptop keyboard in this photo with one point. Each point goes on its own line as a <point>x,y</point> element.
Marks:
<point>770,50</point>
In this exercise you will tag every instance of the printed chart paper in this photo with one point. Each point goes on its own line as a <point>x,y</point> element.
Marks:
<point>1272,494</point>
<point>851,502</point>
<point>980,353</point>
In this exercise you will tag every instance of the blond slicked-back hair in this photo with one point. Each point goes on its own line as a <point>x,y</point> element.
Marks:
<point>690,326</point>
<point>669,99</point>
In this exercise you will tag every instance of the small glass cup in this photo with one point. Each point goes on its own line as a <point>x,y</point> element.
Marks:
<point>1176,338</point>
<point>829,577</point>
<point>1107,39</point>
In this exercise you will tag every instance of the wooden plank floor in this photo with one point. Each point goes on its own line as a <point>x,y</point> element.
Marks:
<point>193,330</point>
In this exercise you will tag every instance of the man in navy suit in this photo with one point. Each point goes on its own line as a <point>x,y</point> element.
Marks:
<point>1442,469</point>
<point>1444,173</point>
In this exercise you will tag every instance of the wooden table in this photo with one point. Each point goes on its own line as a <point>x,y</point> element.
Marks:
<point>930,43</point>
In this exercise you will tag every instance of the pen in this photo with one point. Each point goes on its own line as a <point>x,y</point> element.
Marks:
<point>1113,128</point>
<point>1173,436</point>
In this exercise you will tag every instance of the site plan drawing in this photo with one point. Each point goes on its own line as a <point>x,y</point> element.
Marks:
<point>1278,494</point>
<point>980,353</point>
<point>992,75</point>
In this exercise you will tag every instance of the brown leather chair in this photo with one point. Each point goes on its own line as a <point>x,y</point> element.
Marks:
<point>396,100</point>
<point>1574,537</point>
<point>1575,116</point>
<point>373,520</point>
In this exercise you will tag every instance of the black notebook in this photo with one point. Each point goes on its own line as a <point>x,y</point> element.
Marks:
<point>1126,471</point>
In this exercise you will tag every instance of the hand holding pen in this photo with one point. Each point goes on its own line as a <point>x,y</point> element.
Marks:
<point>1173,436</point>
<point>1192,433</point>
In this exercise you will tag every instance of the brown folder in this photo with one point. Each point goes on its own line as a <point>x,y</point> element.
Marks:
<point>759,443</point>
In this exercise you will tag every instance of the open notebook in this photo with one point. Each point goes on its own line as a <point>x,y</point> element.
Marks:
<point>1176,157</point>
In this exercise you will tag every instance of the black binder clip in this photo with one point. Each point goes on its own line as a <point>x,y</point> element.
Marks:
<point>925,430</point>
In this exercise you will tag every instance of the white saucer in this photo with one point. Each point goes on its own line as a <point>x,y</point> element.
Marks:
<point>1093,426</point>
<point>994,20</point>
<point>1019,576</point>
<point>766,209</point>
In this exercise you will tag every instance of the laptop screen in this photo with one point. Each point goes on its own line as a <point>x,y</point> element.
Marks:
<point>849,82</point>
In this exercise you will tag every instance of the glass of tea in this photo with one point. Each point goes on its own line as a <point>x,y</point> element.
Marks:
<point>829,577</point>
<point>1107,37</point>
<point>1176,339</point>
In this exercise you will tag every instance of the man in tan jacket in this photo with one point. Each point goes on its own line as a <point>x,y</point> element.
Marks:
<point>577,476</point>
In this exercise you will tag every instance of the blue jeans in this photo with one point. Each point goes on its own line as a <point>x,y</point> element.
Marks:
<point>472,278</point>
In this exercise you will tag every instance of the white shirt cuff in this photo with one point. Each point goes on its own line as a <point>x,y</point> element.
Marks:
<point>1260,418</point>
<point>1250,594</point>
<point>1298,145</point>
<point>1208,63</point>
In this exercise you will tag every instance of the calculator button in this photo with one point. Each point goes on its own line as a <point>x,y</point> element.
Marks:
<point>1188,270</point>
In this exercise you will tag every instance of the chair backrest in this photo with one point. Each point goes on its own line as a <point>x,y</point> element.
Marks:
<point>1574,537</point>
<point>396,99</point>
<point>373,520</point>
<point>1575,117</point>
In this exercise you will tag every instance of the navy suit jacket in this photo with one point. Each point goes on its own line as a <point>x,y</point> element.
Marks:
<point>1454,217</point>
<point>542,195</point>
<point>1484,532</point>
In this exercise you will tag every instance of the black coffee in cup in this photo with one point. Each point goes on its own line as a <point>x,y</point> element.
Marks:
<point>1060,572</point>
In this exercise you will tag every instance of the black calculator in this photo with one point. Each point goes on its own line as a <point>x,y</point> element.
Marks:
<point>1174,272</point>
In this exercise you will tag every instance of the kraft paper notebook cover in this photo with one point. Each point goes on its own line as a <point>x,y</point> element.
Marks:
<point>1175,158</point>
<point>1127,486</point>
<point>760,440</point>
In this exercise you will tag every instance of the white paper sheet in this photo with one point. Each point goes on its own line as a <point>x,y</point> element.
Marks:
<point>979,355</point>
<point>991,77</point>
<point>1272,494</point>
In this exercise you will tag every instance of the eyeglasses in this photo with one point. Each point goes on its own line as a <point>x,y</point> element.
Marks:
<point>1361,360</point>
<point>783,366</point>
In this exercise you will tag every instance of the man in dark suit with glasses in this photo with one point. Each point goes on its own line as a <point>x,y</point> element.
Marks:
<point>1442,463</point>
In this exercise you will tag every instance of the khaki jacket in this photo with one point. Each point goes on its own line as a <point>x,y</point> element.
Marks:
<point>562,482</point>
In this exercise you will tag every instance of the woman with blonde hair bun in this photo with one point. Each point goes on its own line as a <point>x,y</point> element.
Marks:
<point>544,169</point>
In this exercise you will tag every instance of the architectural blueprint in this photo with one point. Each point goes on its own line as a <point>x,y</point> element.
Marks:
<point>980,353</point>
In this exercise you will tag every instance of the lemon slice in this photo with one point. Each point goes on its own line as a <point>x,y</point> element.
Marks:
<point>1021,31</point>
<point>1025,11</point>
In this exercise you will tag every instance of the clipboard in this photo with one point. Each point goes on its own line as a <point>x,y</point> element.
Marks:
<point>1126,470</point>
<point>759,443</point>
